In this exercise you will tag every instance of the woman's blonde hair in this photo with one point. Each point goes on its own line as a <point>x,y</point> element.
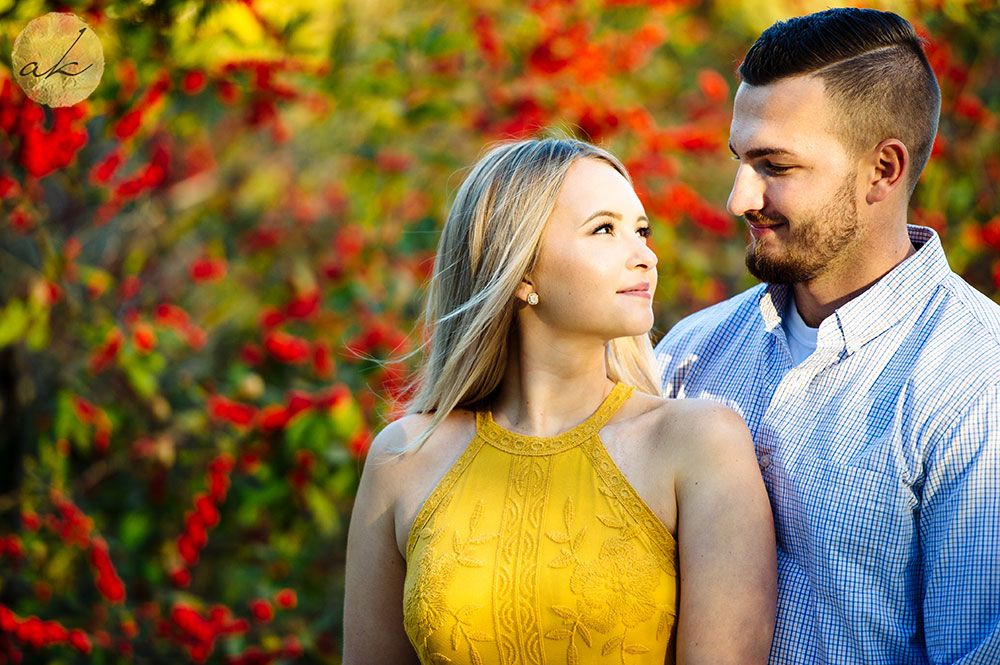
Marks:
<point>490,242</point>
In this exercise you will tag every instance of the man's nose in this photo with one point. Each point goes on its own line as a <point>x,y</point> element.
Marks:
<point>748,192</point>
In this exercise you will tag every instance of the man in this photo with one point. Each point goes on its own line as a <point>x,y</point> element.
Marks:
<point>868,372</point>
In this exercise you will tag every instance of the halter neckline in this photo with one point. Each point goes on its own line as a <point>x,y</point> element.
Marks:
<point>525,444</point>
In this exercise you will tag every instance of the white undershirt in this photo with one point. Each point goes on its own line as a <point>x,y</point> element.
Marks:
<point>801,337</point>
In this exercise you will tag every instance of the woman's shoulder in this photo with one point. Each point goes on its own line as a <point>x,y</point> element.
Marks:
<point>696,428</point>
<point>394,448</point>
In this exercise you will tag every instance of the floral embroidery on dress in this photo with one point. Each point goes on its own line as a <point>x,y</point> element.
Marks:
<point>426,609</point>
<point>592,576</point>
<point>615,589</point>
<point>571,541</point>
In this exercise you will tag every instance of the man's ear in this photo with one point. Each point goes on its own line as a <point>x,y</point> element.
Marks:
<point>888,166</point>
<point>523,289</point>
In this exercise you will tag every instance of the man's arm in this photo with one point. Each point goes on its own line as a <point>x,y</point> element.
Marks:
<point>959,528</point>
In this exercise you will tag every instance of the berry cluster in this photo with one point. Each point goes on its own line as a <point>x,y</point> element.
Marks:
<point>74,529</point>
<point>204,517</point>
<point>88,414</point>
<point>174,318</point>
<point>36,633</point>
<point>41,151</point>
<point>107,580</point>
<point>197,633</point>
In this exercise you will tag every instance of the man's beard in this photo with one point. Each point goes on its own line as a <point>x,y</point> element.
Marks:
<point>811,244</point>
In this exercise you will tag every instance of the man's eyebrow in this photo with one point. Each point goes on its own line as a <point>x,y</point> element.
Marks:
<point>755,153</point>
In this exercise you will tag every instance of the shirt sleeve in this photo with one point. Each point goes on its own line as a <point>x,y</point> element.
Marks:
<point>959,527</point>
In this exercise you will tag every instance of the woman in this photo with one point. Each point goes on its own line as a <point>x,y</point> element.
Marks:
<point>533,507</point>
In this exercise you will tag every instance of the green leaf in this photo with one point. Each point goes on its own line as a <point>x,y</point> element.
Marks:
<point>307,430</point>
<point>346,419</point>
<point>134,529</point>
<point>13,322</point>
<point>343,483</point>
<point>337,455</point>
<point>323,510</point>
<point>64,421</point>
<point>37,336</point>
<point>141,379</point>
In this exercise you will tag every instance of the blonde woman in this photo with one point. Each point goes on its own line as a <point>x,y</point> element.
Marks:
<point>541,503</point>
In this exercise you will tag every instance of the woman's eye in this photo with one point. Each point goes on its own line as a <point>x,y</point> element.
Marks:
<point>606,227</point>
<point>645,231</point>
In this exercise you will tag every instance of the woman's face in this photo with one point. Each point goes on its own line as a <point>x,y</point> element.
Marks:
<point>596,274</point>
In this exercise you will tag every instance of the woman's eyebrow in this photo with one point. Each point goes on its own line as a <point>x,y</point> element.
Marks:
<point>615,215</point>
<point>603,213</point>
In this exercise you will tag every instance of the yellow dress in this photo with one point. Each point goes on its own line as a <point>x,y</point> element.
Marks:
<point>538,550</point>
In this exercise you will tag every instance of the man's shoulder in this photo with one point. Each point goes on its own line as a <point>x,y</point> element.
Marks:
<point>725,317</point>
<point>714,337</point>
<point>974,310</point>
<point>954,347</point>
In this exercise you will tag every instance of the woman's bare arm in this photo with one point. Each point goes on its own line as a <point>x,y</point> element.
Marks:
<point>373,602</point>
<point>728,578</point>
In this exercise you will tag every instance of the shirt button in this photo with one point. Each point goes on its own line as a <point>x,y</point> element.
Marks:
<point>765,461</point>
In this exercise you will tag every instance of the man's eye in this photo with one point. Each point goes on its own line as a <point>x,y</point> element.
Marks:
<point>776,169</point>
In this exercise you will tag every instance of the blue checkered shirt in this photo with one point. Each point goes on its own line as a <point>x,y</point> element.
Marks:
<point>881,455</point>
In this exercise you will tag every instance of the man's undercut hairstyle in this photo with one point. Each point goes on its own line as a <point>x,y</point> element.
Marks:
<point>871,63</point>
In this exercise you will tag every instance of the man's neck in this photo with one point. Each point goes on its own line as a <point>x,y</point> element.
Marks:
<point>822,296</point>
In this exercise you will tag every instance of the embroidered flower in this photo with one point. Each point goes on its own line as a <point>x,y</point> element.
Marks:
<point>426,607</point>
<point>617,587</point>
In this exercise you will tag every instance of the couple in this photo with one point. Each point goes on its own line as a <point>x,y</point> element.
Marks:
<point>543,502</point>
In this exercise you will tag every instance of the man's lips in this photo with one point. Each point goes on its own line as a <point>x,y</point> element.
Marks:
<point>760,227</point>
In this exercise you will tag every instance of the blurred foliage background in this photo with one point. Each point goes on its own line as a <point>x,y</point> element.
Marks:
<point>209,267</point>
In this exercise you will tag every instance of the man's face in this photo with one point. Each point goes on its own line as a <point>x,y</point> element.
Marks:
<point>796,185</point>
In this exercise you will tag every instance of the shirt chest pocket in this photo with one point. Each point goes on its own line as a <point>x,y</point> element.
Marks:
<point>848,517</point>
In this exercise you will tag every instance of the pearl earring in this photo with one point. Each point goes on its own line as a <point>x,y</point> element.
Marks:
<point>532,298</point>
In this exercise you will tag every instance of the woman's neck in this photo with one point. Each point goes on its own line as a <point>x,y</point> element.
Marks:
<point>550,386</point>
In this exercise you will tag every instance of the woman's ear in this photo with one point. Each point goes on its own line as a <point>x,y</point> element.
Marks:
<point>888,165</point>
<point>523,289</point>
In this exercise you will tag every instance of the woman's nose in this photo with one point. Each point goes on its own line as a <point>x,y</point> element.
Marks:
<point>644,256</point>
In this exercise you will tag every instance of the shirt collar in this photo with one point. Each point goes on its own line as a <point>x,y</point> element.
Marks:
<point>887,301</point>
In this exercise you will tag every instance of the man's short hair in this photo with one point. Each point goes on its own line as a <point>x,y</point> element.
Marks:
<point>871,63</point>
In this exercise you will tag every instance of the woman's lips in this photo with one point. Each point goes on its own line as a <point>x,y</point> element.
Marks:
<point>641,290</point>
